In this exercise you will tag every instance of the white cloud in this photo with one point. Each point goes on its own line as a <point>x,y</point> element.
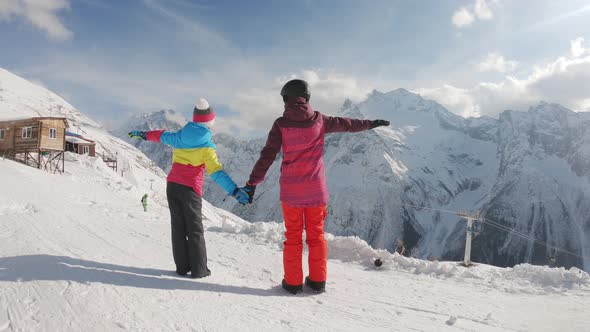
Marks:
<point>497,62</point>
<point>455,99</point>
<point>41,14</point>
<point>564,81</point>
<point>484,99</point>
<point>257,108</point>
<point>482,10</point>
<point>465,16</point>
<point>462,17</point>
<point>577,47</point>
<point>246,88</point>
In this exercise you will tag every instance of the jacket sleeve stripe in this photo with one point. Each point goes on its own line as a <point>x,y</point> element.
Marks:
<point>154,135</point>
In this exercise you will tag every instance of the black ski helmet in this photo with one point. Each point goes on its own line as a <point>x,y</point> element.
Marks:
<point>296,88</point>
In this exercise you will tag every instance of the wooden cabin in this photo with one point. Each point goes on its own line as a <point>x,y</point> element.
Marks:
<point>80,145</point>
<point>45,133</point>
<point>38,141</point>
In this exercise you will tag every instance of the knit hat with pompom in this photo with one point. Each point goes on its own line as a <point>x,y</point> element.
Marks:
<point>203,112</point>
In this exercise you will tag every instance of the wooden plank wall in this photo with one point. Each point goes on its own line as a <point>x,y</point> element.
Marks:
<point>52,143</point>
<point>22,144</point>
<point>8,142</point>
<point>40,135</point>
<point>91,149</point>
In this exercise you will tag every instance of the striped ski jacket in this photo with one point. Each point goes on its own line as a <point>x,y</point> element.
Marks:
<point>300,134</point>
<point>194,153</point>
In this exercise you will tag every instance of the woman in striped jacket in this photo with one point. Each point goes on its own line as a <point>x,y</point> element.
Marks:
<point>194,153</point>
<point>303,190</point>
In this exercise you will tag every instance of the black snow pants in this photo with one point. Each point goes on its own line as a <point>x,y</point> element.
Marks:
<point>188,240</point>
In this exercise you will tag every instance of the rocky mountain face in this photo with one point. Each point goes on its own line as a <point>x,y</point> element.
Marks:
<point>542,187</point>
<point>526,171</point>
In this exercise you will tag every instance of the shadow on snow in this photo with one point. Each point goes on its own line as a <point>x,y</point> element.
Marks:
<point>62,268</point>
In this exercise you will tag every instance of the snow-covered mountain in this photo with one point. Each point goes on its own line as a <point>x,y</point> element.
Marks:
<point>78,253</point>
<point>542,188</point>
<point>526,170</point>
<point>20,98</point>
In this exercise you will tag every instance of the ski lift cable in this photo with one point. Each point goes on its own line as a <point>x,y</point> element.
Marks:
<point>545,244</point>
<point>526,237</point>
<point>427,208</point>
<point>506,229</point>
<point>530,238</point>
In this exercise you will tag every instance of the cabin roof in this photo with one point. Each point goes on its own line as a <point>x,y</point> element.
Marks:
<point>77,140</point>
<point>70,135</point>
<point>38,118</point>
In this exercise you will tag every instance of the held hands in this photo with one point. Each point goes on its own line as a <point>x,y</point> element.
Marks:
<point>137,134</point>
<point>241,195</point>
<point>245,194</point>
<point>250,189</point>
<point>379,123</point>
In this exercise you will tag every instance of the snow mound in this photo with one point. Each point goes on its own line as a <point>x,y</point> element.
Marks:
<point>351,249</point>
<point>543,276</point>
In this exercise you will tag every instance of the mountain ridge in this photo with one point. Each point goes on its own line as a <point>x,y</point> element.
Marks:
<point>528,170</point>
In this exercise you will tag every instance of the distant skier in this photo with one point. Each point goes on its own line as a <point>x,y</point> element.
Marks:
<point>194,153</point>
<point>304,194</point>
<point>144,202</point>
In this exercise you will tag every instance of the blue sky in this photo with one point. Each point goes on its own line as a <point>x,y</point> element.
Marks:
<point>111,58</point>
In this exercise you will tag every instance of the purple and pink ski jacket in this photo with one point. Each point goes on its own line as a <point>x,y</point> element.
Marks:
<point>300,134</point>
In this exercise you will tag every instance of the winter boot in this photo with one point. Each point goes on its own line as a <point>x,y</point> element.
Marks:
<point>195,276</point>
<point>317,286</point>
<point>182,272</point>
<point>293,289</point>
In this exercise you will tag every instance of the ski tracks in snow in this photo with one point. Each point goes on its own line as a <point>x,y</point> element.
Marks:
<point>91,259</point>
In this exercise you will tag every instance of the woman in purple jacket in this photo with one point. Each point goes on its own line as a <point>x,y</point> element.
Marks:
<point>304,193</point>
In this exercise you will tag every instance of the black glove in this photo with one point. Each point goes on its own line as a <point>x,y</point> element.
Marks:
<point>379,123</point>
<point>250,189</point>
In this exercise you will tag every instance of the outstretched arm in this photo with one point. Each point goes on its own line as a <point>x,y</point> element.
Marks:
<point>334,124</point>
<point>267,155</point>
<point>159,136</point>
<point>167,137</point>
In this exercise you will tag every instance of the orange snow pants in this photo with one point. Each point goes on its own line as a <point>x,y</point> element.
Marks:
<point>312,219</point>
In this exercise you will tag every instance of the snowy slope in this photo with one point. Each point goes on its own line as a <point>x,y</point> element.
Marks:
<point>88,258</point>
<point>20,98</point>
